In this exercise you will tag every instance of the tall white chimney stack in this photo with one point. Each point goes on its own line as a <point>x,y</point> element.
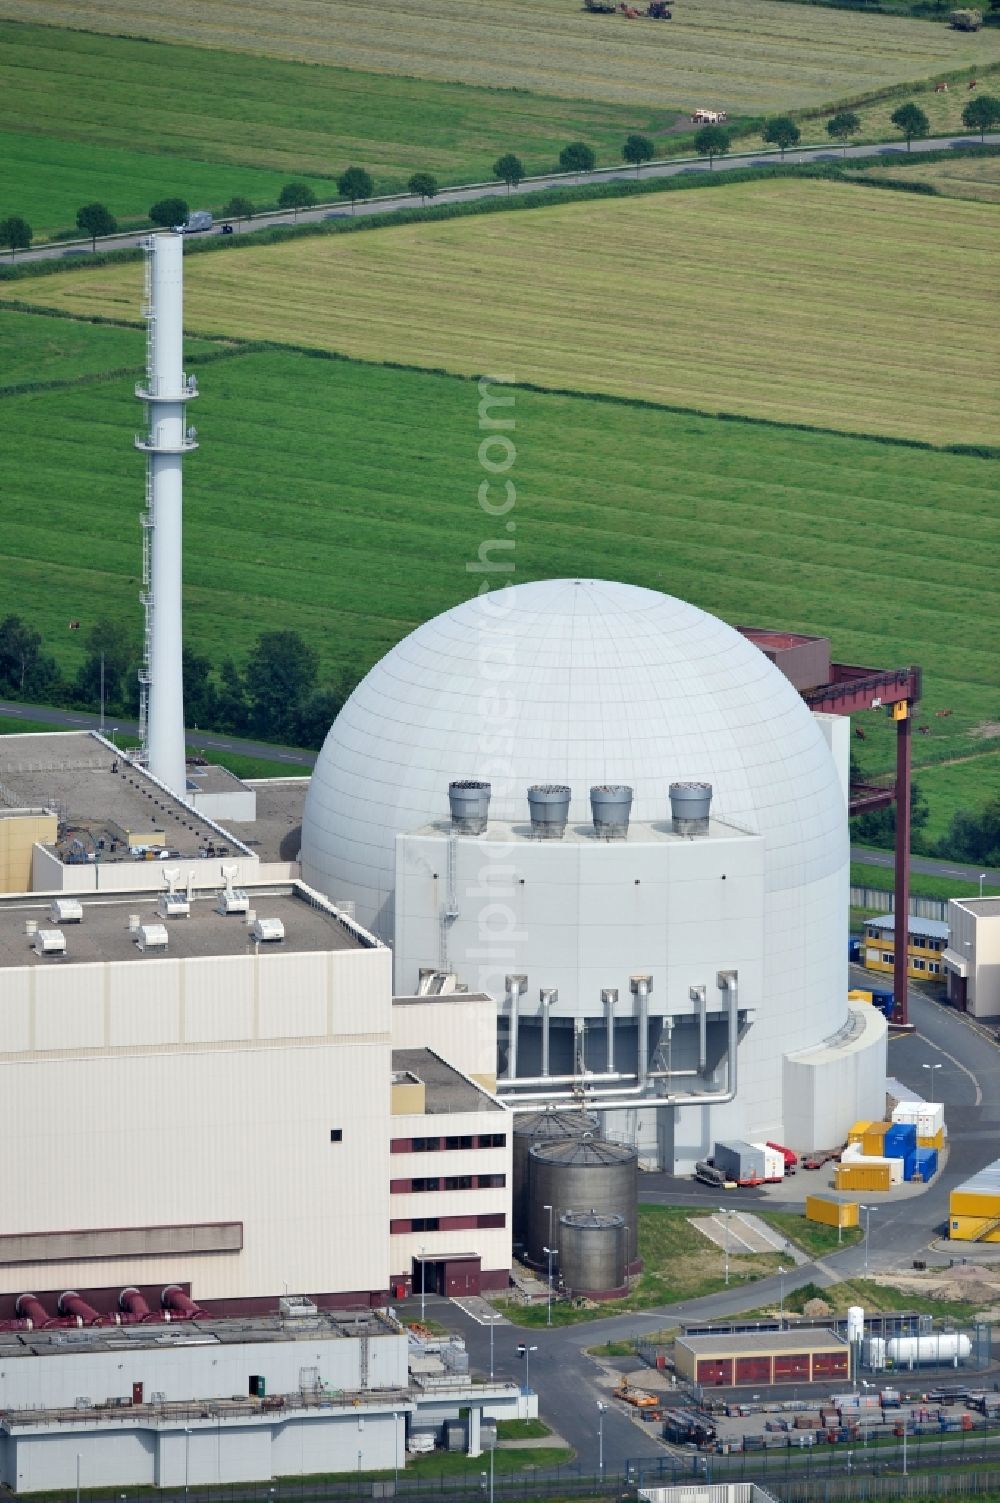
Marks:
<point>165,392</point>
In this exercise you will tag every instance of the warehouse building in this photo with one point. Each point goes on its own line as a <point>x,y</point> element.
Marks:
<point>927,941</point>
<point>972,959</point>
<point>762,1358</point>
<point>974,1207</point>
<point>209,1402</point>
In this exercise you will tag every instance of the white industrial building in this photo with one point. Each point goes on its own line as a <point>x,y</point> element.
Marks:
<point>972,960</point>
<point>684,968</point>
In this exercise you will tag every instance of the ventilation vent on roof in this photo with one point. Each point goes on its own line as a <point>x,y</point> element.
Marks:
<point>549,807</point>
<point>231,899</point>
<point>268,930</point>
<point>49,942</point>
<point>66,911</point>
<point>30,927</point>
<point>151,937</point>
<point>133,923</point>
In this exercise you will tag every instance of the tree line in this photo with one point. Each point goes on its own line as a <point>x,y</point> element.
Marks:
<point>276,695</point>
<point>356,185</point>
<point>973,834</point>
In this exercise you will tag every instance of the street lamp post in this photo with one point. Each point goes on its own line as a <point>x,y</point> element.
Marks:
<point>781,1318</point>
<point>550,1253</point>
<point>187,1459</point>
<point>724,1212</point>
<point>932,1068</point>
<point>868,1215</point>
<point>602,1410</point>
<point>493,1321</point>
<point>423,1285</point>
<point>525,1351</point>
<point>982,879</point>
<point>77,1477</point>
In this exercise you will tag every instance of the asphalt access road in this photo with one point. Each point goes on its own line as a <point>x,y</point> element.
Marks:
<point>925,865</point>
<point>200,740</point>
<point>473,191</point>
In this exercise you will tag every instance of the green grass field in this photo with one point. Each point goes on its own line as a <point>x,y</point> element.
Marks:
<point>810,306</point>
<point>355,490</point>
<point>863,875</point>
<point>86,117</point>
<point>750,56</point>
<point>968,177</point>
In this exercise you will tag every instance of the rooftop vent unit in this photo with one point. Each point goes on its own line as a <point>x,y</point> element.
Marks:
<point>134,922</point>
<point>66,911</point>
<point>548,804</point>
<point>151,937</point>
<point>31,927</point>
<point>49,942</point>
<point>611,805</point>
<point>268,931</point>
<point>291,1306</point>
<point>689,807</point>
<point>346,906</point>
<point>470,806</point>
<point>231,899</point>
<point>173,904</point>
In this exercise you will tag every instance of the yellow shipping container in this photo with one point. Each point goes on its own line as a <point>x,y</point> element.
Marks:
<point>831,1212</point>
<point>937,1141</point>
<point>863,1177</point>
<point>969,1228</point>
<point>968,1203</point>
<point>858,996</point>
<point>857,1132</point>
<point>873,1141</point>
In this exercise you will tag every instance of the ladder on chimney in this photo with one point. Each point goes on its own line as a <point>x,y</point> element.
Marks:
<point>146,523</point>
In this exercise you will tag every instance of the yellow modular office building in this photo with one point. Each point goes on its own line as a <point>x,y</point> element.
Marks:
<point>974,1208</point>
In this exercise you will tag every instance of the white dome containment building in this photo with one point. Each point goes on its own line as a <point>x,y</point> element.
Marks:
<point>629,942</point>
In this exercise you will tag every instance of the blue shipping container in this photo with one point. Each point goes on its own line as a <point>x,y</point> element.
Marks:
<point>900,1140</point>
<point>927,1162</point>
<point>909,1164</point>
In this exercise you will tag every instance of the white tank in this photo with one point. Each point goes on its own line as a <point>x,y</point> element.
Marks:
<point>855,1323</point>
<point>916,1351</point>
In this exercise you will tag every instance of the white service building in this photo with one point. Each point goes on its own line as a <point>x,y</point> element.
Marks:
<point>688,977</point>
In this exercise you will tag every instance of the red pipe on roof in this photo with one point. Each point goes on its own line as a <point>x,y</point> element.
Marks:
<point>70,1303</point>
<point>30,1307</point>
<point>175,1300</point>
<point>131,1302</point>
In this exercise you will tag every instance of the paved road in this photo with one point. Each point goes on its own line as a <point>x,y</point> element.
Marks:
<point>201,740</point>
<point>472,191</point>
<point>925,865</point>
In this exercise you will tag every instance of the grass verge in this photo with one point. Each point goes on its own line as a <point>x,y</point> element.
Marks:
<point>813,1238</point>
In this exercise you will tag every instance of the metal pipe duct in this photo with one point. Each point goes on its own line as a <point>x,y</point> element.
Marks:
<point>131,1302</point>
<point>547,996</point>
<point>548,804</point>
<point>29,1307</point>
<point>611,804</point>
<point>515,987</point>
<point>70,1303</point>
<point>610,999</point>
<point>689,807</point>
<point>578,1099</point>
<point>580,1077</point>
<point>641,987</point>
<point>697,995</point>
<point>469,801</point>
<point>175,1300</point>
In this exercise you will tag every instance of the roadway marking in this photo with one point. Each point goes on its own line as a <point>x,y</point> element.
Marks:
<point>956,1062</point>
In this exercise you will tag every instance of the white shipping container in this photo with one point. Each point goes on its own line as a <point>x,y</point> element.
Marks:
<point>930,1120</point>
<point>774,1162</point>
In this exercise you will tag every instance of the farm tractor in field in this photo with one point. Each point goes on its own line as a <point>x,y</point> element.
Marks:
<point>966,20</point>
<point>656,10</point>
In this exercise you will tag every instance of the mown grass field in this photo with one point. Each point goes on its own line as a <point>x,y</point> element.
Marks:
<point>341,498</point>
<point>745,55</point>
<point>968,177</point>
<point>85,116</point>
<point>807,302</point>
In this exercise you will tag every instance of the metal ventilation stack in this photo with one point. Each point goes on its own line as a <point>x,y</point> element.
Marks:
<point>165,392</point>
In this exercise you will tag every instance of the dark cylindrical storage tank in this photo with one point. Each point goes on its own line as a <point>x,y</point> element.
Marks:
<point>690,804</point>
<point>548,804</point>
<point>592,1253</point>
<point>583,1174</point>
<point>541,1127</point>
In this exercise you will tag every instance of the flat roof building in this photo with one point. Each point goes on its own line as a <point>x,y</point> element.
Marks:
<point>972,959</point>
<point>762,1358</point>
